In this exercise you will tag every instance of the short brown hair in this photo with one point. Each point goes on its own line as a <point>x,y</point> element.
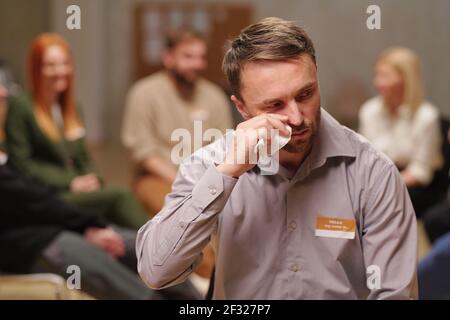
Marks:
<point>269,39</point>
<point>175,37</point>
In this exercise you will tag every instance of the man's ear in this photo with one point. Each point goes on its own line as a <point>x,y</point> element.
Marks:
<point>240,106</point>
<point>167,58</point>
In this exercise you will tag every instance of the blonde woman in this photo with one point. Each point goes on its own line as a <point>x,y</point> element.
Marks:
<point>403,125</point>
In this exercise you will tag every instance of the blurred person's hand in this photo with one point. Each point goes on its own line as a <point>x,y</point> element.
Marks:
<point>87,183</point>
<point>409,180</point>
<point>106,239</point>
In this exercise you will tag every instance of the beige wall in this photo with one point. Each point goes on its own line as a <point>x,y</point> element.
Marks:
<point>20,22</point>
<point>346,48</point>
<point>89,47</point>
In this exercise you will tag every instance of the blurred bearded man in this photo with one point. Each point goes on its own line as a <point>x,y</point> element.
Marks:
<point>169,100</point>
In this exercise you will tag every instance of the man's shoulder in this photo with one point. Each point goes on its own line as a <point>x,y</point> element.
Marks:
<point>211,88</point>
<point>366,156</point>
<point>152,83</point>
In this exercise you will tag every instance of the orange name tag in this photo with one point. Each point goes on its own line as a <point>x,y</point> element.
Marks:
<point>335,228</point>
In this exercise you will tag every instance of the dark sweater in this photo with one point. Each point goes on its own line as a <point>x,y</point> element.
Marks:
<point>31,216</point>
<point>53,163</point>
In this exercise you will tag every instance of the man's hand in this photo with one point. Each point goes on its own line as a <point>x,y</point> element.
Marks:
<point>87,183</point>
<point>238,158</point>
<point>106,239</point>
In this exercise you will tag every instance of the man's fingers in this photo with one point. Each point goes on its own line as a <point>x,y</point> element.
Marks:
<point>278,124</point>
<point>266,125</point>
<point>280,117</point>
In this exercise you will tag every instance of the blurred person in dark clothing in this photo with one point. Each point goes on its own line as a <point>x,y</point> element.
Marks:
<point>41,233</point>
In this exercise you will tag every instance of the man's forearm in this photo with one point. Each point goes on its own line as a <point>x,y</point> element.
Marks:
<point>169,247</point>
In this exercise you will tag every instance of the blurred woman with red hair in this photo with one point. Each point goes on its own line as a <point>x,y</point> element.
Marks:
<point>45,136</point>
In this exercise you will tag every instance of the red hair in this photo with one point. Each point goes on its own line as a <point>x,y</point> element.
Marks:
<point>66,99</point>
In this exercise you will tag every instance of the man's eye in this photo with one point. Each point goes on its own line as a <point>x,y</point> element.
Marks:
<point>305,95</point>
<point>277,105</point>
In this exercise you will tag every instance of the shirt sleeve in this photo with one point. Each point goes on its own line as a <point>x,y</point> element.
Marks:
<point>389,237</point>
<point>169,247</point>
<point>139,132</point>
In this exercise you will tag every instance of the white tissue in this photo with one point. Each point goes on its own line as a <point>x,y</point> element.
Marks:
<point>278,143</point>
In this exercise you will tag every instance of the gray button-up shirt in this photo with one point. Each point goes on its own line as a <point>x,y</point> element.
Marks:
<point>342,227</point>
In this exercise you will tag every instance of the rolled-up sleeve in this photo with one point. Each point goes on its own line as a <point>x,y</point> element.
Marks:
<point>169,247</point>
<point>389,236</point>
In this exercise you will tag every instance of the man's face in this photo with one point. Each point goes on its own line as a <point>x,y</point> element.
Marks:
<point>285,87</point>
<point>187,60</point>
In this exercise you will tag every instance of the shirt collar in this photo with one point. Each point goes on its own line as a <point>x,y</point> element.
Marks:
<point>330,141</point>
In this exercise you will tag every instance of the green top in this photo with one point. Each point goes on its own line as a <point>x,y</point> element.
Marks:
<point>32,152</point>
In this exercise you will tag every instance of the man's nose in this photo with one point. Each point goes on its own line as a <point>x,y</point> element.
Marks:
<point>295,117</point>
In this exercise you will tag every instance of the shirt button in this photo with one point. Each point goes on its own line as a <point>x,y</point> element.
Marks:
<point>212,190</point>
<point>293,225</point>
<point>294,267</point>
<point>182,225</point>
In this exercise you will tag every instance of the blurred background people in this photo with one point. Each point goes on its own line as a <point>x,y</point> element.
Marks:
<point>121,42</point>
<point>45,137</point>
<point>436,219</point>
<point>163,102</point>
<point>7,87</point>
<point>40,233</point>
<point>169,100</point>
<point>433,271</point>
<point>406,127</point>
<point>3,103</point>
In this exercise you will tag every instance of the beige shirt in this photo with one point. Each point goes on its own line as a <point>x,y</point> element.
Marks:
<point>412,142</point>
<point>154,110</point>
<point>265,228</point>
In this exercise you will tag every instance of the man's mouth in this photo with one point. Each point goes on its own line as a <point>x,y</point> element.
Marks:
<point>300,132</point>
